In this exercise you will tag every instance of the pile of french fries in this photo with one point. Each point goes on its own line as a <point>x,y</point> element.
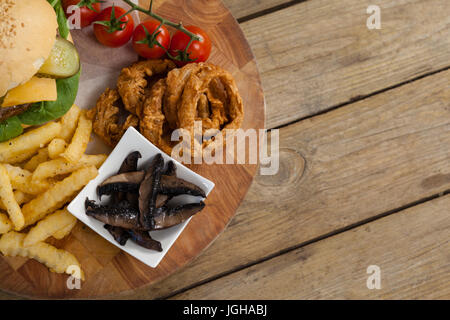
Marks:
<point>41,171</point>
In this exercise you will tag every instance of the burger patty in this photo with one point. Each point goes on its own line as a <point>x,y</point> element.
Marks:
<point>9,112</point>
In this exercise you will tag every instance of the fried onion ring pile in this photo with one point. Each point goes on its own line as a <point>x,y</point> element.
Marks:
<point>160,98</point>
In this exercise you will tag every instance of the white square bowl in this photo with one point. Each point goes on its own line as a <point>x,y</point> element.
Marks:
<point>132,141</point>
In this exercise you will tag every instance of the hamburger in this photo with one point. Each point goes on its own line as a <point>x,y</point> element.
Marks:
<point>39,65</point>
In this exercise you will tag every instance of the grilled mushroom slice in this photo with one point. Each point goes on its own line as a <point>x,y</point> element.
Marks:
<point>124,182</point>
<point>171,169</point>
<point>124,217</point>
<point>133,199</point>
<point>121,235</point>
<point>130,164</point>
<point>171,185</point>
<point>161,200</point>
<point>143,239</point>
<point>148,190</point>
<point>168,217</point>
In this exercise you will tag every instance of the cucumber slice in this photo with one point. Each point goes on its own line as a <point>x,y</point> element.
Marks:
<point>63,62</point>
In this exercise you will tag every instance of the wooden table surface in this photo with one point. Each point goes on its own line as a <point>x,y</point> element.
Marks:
<point>364,120</point>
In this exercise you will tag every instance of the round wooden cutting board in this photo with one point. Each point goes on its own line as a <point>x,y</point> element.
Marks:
<point>110,271</point>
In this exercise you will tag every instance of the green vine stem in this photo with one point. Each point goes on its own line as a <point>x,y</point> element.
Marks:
<point>177,26</point>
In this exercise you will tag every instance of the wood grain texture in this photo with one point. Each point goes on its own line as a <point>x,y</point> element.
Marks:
<point>337,169</point>
<point>319,54</point>
<point>109,270</point>
<point>411,248</point>
<point>238,8</point>
<point>241,9</point>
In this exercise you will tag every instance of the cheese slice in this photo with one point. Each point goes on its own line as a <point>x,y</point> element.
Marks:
<point>35,90</point>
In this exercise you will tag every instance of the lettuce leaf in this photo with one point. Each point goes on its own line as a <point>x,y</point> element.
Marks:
<point>10,128</point>
<point>63,27</point>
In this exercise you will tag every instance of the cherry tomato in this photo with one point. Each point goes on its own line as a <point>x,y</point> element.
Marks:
<point>145,37</point>
<point>198,51</point>
<point>113,32</point>
<point>88,11</point>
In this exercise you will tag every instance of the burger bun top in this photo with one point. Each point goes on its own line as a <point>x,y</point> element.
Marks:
<point>27,35</point>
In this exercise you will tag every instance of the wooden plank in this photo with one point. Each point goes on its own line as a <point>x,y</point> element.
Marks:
<point>238,8</point>
<point>318,54</point>
<point>411,248</point>
<point>241,9</point>
<point>337,169</point>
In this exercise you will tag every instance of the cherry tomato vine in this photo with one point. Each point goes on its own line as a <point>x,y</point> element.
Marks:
<point>180,55</point>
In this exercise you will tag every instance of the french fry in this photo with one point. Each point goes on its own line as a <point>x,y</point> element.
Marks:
<point>28,142</point>
<point>32,163</point>
<point>64,232</point>
<point>48,226</point>
<point>41,156</point>
<point>56,147</point>
<point>58,195</point>
<point>57,260</point>
<point>61,166</point>
<point>80,140</point>
<point>20,197</point>
<point>69,123</point>
<point>21,180</point>
<point>8,200</point>
<point>22,157</point>
<point>5,224</point>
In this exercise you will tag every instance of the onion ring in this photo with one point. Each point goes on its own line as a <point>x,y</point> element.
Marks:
<point>176,80</point>
<point>134,80</point>
<point>105,118</point>
<point>152,117</point>
<point>227,110</point>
